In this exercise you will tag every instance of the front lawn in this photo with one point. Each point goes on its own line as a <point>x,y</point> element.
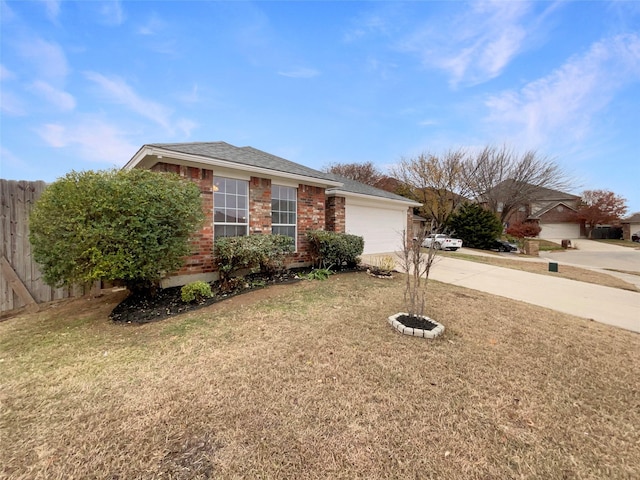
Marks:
<point>309,381</point>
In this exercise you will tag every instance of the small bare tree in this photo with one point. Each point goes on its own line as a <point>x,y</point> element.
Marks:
<point>416,262</point>
<point>366,172</point>
<point>437,181</point>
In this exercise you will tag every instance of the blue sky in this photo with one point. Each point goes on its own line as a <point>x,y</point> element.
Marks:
<point>85,84</point>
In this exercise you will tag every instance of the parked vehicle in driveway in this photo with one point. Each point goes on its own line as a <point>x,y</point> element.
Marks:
<point>442,242</point>
<point>503,246</point>
<point>635,237</point>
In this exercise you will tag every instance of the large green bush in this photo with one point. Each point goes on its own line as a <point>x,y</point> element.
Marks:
<point>335,250</point>
<point>128,225</point>
<point>254,252</point>
<point>476,226</point>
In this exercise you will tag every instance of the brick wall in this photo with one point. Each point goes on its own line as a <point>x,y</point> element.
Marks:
<point>201,260</point>
<point>311,216</point>
<point>335,214</point>
<point>259,206</point>
<point>559,214</point>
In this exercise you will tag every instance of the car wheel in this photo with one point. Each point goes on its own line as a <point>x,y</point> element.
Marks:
<point>438,246</point>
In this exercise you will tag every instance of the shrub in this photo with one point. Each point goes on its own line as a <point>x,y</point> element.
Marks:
<point>127,225</point>
<point>319,274</point>
<point>331,249</point>
<point>476,226</point>
<point>265,253</point>
<point>196,291</point>
<point>524,230</point>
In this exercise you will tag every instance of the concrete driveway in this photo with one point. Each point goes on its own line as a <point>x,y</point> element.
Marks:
<point>600,256</point>
<point>620,308</point>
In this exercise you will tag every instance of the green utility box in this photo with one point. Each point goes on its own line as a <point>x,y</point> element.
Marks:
<point>553,266</point>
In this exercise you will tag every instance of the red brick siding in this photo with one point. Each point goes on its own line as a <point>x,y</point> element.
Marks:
<point>335,214</point>
<point>554,216</point>
<point>259,206</point>
<point>201,260</point>
<point>311,216</point>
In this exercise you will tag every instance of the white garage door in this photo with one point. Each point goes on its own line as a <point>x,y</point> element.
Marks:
<point>381,228</point>
<point>559,230</point>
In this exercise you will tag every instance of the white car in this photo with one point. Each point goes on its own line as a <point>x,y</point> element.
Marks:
<point>442,242</point>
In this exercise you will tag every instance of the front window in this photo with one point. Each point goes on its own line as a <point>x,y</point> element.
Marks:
<point>231,207</point>
<point>283,211</point>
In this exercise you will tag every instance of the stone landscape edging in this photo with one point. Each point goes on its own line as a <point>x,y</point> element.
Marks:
<point>415,332</point>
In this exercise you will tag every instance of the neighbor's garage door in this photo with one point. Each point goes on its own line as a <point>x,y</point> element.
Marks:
<point>559,230</point>
<point>380,226</point>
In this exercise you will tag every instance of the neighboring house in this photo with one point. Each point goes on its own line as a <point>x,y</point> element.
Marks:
<point>248,192</point>
<point>630,225</point>
<point>553,210</point>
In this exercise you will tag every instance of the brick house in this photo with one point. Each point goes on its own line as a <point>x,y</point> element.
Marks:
<point>246,191</point>
<point>553,210</point>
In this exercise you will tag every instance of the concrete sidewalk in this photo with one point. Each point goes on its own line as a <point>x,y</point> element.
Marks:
<point>613,306</point>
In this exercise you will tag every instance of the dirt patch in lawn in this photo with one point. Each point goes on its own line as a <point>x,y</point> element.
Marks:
<point>309,381</point>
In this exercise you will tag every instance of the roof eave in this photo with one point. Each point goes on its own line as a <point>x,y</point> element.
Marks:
<point>148,151</point>
<point>344,193</point>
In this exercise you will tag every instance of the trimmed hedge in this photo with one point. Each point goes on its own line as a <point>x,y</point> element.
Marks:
<point>335,250</point>
<point>265,253</point>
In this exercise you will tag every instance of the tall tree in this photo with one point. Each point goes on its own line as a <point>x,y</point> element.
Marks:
<point>600,207</point>
<point>437,181</point>
<point>503,179</point>
<point>366,172</point>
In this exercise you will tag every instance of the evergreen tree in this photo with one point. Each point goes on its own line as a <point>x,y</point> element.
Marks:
<point>476,226</point>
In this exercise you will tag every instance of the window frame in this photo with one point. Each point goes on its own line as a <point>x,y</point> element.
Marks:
<point>228,181</point>
<point>287,198</point>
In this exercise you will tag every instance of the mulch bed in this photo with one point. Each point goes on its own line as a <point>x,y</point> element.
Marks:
<point>416,322</point>
<point>167,302</point>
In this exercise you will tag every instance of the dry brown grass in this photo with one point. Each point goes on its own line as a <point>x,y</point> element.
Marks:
<point>564,271</point>
<point>309,381</point>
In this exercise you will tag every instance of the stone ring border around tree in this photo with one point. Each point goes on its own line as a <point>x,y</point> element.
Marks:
<point>416,332</point>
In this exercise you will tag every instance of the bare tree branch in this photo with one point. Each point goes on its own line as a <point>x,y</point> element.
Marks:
<point>437,181</point>
<point>503,179</point>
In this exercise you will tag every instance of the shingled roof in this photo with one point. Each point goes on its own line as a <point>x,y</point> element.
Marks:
<point>247,156</point>
<point>351,186</point>
<point>252,157</point>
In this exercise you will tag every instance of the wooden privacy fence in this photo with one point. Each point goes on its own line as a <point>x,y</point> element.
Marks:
<point>21,283</point>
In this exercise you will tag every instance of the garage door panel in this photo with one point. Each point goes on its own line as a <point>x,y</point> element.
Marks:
<point>381,228</point>
<point>559,230</point>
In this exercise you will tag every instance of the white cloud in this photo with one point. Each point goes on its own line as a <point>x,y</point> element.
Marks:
<point>153,26</point>
<point>120,92</point>
<point>112,13</point>
<point>95,140</point>
<point>53,9</point>
<point>11,104</point>
<point>6,74</point>
<point>300,73</point>
<point>191,96</point>
<point>48,58</point>
<point>475,46</point>
<point>564,102</point>
<point>61,99</point>
<point>186,126</point>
